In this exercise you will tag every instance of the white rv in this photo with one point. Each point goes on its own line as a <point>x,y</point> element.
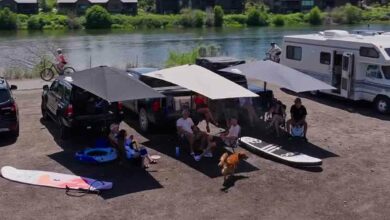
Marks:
<point>358,66</point>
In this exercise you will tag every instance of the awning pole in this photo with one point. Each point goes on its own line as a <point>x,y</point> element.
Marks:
<point>265,86</point>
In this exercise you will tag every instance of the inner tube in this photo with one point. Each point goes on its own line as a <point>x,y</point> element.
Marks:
<point>96,155</point>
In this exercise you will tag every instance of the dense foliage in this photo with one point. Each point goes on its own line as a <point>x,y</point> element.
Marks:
<point>255,15</point>
<point>8,19</point>
<point>314,17</point>
<point>218,16</point>
<point>97,17</point>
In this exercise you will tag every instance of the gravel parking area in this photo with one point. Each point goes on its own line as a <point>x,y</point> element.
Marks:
<point>352,183</point>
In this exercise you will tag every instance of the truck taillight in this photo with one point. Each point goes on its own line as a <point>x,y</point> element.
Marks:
<point>156,106</point>
<point>69,110</point>
<point>120,106</point>
<point>14,107</point>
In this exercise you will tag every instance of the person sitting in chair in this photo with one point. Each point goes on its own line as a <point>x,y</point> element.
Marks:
<point>231,136</point>
<point>277,115</point>
<point>298,117</point>
<point>184,127</point>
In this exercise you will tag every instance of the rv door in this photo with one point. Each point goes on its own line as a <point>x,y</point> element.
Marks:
<point>346,76</point>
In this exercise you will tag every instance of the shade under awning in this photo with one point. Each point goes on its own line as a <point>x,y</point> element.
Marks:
<point>202,81</point>
<point>280,75</point>
<point>111,84</point>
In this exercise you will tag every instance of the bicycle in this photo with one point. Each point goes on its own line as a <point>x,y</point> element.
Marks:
<point>47,74</point>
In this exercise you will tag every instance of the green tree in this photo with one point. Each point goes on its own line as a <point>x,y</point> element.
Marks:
<point>314,16</point>
<point>218,16</point>
<point>198,18</point>
<point>353,14</point>
<point>278,20</point>
<point>97,17</point>
<point>8,19</point>
<point>256,17</point>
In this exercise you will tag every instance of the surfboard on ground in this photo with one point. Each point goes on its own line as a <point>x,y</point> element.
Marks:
<point>280,153</point>
<point>51,179</point>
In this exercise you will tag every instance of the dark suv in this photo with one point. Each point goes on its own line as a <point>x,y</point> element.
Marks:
<point>9,114</point>
<point>74,108</point>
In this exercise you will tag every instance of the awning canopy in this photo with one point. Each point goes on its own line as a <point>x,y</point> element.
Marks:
<point>202,81</point>
<point>277,74</point>
<point>111,84</point>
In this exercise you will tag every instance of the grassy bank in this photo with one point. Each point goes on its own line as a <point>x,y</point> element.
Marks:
<point>97,17</point>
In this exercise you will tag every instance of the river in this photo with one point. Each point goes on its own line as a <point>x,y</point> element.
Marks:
<point>149,47</point>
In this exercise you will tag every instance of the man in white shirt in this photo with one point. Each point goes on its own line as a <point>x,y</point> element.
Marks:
<point>233,133</point>
<point>274,52</point>
<point>184,127</point>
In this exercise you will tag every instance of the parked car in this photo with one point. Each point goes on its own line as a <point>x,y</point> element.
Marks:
<point>9,114</point>
<point>216,63</point>
<point>71,108</point>
<point>160,111</point>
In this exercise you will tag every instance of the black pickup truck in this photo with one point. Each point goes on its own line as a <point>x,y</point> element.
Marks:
<point>72,108</point>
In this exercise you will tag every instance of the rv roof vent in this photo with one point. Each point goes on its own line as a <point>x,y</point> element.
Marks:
<point>335,33</point>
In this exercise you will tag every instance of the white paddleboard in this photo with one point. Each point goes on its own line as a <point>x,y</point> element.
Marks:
<point>51,179</point>
<point>279,152</point>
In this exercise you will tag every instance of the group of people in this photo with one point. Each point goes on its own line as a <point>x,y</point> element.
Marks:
<point>207,143</point>
<point>128,148</point>
<point>277,115</point>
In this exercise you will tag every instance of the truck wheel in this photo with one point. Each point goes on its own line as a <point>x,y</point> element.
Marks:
<point>64,131</point>
<point>45,115</point>
<point>382,104</point>
<point>143,120</point>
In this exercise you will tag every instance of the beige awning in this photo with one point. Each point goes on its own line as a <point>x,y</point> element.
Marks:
<point>202,81</point>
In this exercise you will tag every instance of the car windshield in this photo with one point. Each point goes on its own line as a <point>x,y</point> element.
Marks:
<point>386,71</point>
<point>4,95</point>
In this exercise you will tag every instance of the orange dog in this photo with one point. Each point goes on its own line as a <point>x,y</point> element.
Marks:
<point>229,163</point>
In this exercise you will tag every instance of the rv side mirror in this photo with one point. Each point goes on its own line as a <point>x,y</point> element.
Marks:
<point>45,87</point>
<point>13,87</point>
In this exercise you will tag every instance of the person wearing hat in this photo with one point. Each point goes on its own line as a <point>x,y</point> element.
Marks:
<point>298,117</point>
<point>61,60</point>
<point>274,52</point>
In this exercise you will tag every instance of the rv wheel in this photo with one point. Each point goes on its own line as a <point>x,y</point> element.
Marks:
<point>382,104</point>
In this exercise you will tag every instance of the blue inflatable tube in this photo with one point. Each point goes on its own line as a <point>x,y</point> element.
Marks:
<point>97,155</point>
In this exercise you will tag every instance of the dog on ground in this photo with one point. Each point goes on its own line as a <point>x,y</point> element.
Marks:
<point>228,163</point>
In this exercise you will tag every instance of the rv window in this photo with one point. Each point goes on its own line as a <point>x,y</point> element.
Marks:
<point>345,63</point>
<point>373,71</point>
<point>294,53</point>
<point>368,52</point>
<point>388,51</point>
<point>325,58</point>
<point>386,71</point>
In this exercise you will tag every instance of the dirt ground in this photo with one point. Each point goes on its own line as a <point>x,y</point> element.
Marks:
<point>352,183</point>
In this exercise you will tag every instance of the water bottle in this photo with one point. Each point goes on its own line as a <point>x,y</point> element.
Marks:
<point>177,151</point>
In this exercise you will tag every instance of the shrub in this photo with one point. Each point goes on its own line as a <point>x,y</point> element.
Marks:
<point>8,19</point>
<point>35,22</point>
<point>257,17</point>
<point>218,16</point>
<point>198,18</point>
<point>177,58</point>
<point>294,18</point>
<point>314,16</point>
<point>191,18</point>
<point>278,20</point>
<point>97,17</point>
<point>347,14</point>
<point>235,20</point>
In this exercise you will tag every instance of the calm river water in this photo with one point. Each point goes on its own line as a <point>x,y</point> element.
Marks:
<point>149,47</point>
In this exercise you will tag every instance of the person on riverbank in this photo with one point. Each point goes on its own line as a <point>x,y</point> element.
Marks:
<point>61,60</point>
<point>274,52</point>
